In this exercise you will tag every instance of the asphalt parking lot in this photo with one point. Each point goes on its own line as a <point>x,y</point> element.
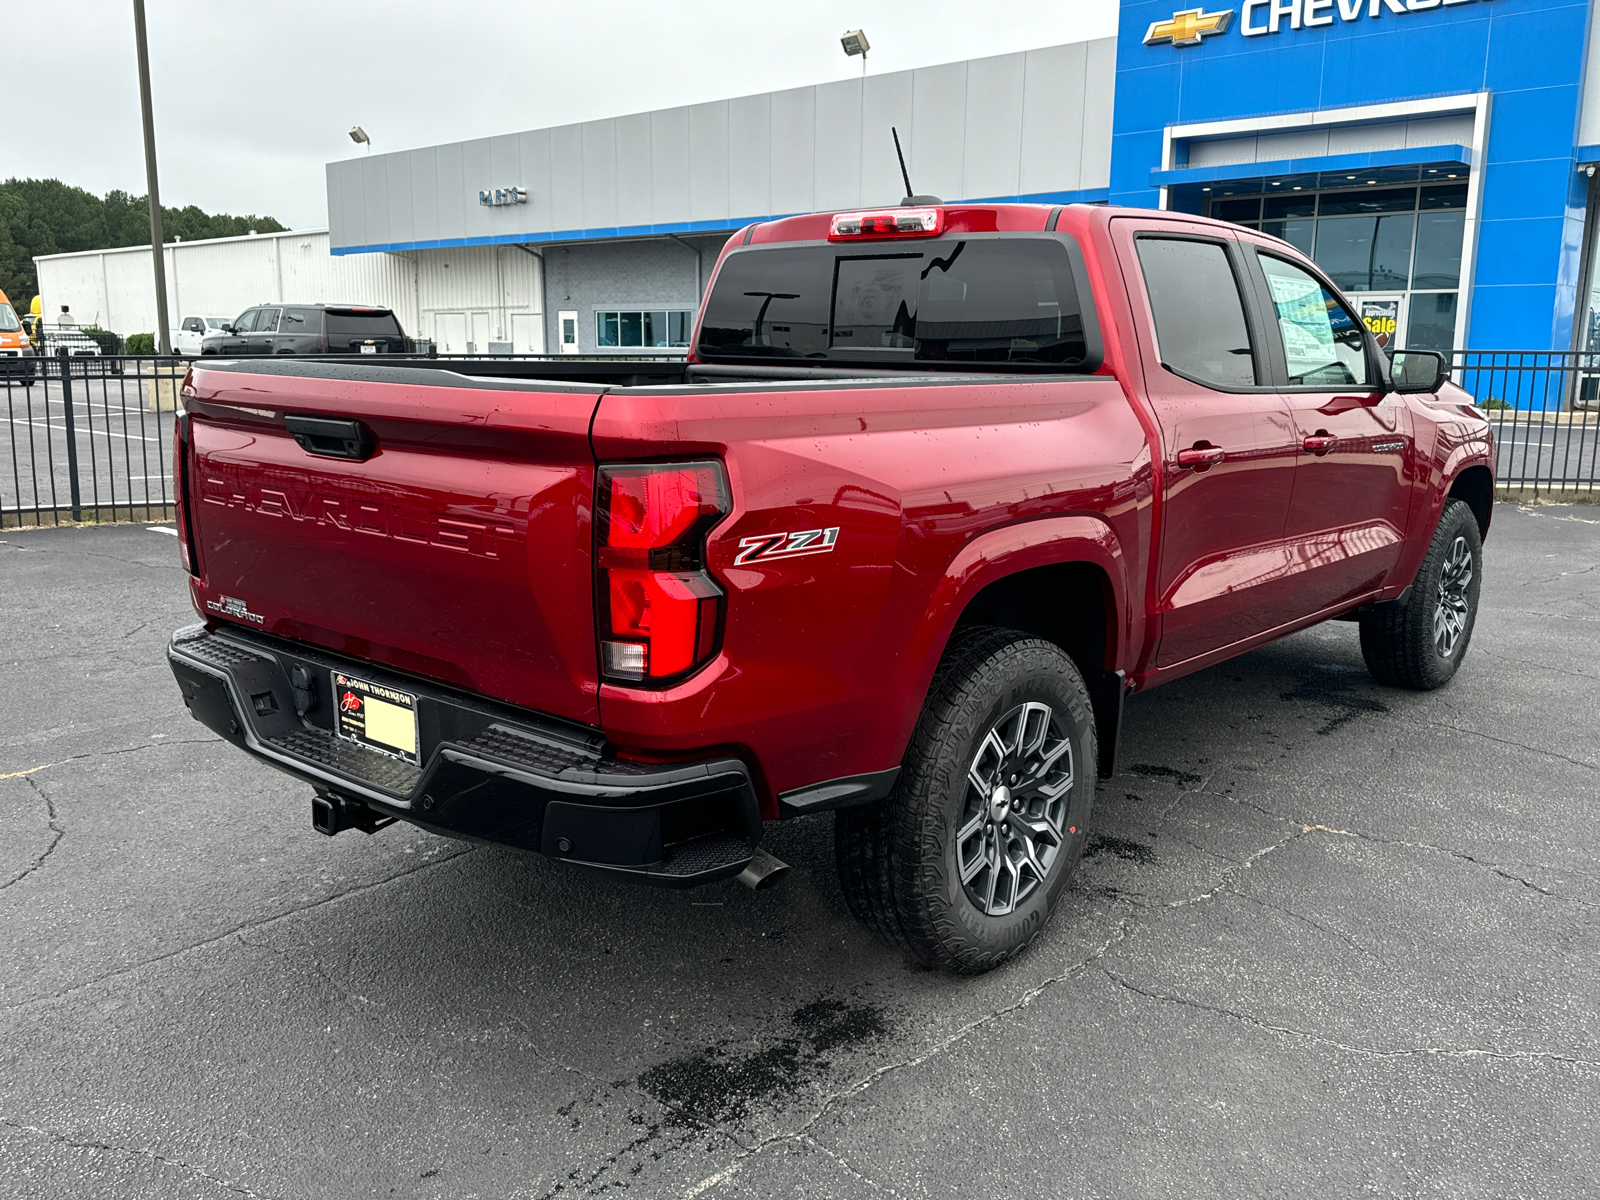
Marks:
<point>1330,940</point>
<point>123,450</point>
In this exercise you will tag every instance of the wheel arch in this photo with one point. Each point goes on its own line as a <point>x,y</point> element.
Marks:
<point>1474,484</point>
<point>1062,579</point>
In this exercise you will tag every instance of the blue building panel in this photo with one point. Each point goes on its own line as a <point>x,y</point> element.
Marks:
<point>1518,66</point>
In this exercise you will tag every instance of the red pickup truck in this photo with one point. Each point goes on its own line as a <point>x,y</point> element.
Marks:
<point>937,487</point>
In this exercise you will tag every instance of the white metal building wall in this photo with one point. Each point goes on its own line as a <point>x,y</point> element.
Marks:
<point>492,294</point>
<point>471,296</point>
<point>221,277</point>
<point>1031,123</point>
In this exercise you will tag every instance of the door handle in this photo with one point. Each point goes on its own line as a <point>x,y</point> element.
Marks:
<point>1319,443</point>
<point>1201,457</point>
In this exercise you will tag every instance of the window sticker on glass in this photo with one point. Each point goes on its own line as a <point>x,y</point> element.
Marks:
<point>1322,343</point>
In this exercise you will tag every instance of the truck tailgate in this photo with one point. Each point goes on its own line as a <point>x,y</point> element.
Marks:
<point>458,548</point>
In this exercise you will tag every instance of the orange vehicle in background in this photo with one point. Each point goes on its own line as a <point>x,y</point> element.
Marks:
<point>16,350</point>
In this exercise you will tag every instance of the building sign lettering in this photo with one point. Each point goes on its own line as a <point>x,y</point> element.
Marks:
<point>495,197</point>
<point>1189,27</point>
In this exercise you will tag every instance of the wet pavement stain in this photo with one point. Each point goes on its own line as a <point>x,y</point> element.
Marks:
<point>720,1082</point>
<point>1334,688</point>
<point>1121,847</point>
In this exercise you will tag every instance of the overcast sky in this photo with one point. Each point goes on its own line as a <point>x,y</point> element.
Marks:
<point>251,100</point>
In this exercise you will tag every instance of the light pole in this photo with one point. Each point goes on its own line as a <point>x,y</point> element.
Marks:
<point>359,136</point>
<point>158,253</point>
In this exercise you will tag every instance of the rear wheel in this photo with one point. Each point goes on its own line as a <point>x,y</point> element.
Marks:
<point>962,865</point>
<point>1420,644</point>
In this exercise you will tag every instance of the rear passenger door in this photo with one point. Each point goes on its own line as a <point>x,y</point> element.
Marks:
<point>299,331</point>
<point>266,326</point>
<point>1228,444</point>
<point>1352,487</point>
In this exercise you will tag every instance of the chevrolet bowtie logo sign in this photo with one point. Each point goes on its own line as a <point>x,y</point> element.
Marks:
<point>1188,28</point>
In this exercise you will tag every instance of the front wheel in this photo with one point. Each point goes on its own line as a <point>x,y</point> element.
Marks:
<point>963,864</point>
<point>1420,644</point>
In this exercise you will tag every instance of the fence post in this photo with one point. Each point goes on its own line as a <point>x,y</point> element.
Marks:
<point>72,432</point>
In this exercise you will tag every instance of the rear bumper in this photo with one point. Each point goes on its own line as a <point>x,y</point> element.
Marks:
<point>486,772</point>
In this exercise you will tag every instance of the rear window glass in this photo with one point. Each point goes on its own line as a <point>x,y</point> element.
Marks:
<point>362,325</point>
<point>301,320</point>
<point>991,300</point>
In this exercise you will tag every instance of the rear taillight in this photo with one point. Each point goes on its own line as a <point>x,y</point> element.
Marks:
<point>887,223</point>
<point>659,611</point>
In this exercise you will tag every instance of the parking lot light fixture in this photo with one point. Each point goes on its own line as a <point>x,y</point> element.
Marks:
<point>359,136</point>
<point>854,43</point>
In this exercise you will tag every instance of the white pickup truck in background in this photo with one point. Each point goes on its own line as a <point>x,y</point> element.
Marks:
<point>187,336</point>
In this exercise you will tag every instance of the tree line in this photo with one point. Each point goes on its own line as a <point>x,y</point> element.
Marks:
<point>46,216</point>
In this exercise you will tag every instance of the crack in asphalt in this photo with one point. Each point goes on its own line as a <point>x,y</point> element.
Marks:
<point>1577,762</point>
<point>1243,865</point>
<point>1539,666</point>
<point>73,758</point>
<point>236,930</point>
<point>853,1172</point>
<point>1463,856</point>
<point>312,963</point>
<point>62,1139</point>
<point>50,819</point>
<point>1306,828</point>
<point>1345,938</point>
<point>1371,1051</point>
<point>852,1090</point>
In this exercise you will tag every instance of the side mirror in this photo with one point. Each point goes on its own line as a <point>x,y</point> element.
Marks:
<point>228,329</point>
<point>1416,371</point>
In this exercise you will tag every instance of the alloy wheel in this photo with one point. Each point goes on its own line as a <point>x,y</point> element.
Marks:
<point>1451,609</point>
<point>1018,786</point>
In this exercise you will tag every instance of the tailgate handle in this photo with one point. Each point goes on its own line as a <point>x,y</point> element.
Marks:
<point>332,438</point>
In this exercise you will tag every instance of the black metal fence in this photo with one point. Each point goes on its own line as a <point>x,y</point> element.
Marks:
<point>1545,410</point>
<point>88,437</point>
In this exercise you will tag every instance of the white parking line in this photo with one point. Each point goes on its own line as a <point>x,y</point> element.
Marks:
<point>162,529</point>
<point>89,429</point>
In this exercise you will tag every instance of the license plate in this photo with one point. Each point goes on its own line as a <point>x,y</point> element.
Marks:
<point>369,348</point>
<point>377,717</point>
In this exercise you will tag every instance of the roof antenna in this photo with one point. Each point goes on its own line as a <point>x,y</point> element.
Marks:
<point>910,198</point>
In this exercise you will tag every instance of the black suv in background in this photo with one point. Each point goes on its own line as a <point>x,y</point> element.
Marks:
<point>309,329</point>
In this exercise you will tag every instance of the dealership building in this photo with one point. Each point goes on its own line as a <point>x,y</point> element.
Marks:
<point>1435,157</point>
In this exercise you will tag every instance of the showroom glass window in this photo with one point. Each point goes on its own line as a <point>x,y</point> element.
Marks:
<point>1400,241</point>
<point>650,329</point>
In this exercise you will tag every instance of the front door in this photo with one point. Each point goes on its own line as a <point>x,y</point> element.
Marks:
<point>1227,441</point>
<point>1352,486</point>
<point>238,341</point>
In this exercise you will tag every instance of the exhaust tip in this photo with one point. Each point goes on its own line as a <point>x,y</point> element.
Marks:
<point>763,871</point>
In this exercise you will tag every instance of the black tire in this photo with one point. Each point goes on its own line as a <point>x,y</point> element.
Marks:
<point>1420,644</point>
<point>901,860</point>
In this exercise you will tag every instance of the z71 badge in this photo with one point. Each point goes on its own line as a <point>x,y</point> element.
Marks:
<point>767,546</point>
